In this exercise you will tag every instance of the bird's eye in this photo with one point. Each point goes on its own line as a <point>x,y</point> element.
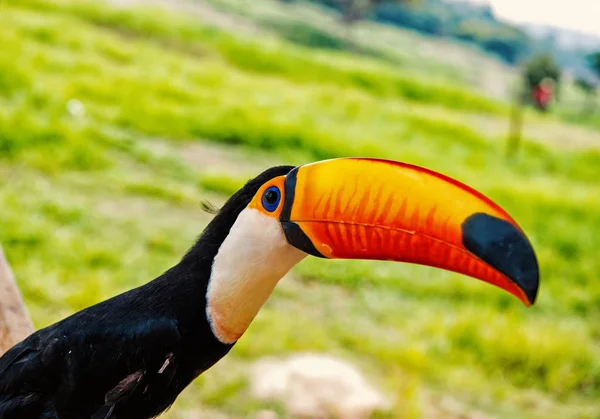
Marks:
<point>270,198</point>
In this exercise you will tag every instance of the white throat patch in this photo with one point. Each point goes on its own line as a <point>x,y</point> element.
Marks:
<point>254,256</point>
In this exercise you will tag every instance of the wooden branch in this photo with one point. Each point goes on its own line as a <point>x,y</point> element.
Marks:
<point>15,324</point>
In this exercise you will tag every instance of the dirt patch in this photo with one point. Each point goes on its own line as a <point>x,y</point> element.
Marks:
<point>552,133</point>
<point>563,135</point>
<point>126,207</point>
<point>207,14</point>
<point>448,407</point>
<point>210,157</point>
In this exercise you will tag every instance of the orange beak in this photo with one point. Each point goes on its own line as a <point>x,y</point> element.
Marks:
<point>359,208</point>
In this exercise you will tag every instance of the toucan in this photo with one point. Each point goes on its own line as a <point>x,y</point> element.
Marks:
<point>129,357</point>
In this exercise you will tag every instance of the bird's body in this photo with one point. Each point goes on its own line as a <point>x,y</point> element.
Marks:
<point>130,357</point>
<point>133,354</point>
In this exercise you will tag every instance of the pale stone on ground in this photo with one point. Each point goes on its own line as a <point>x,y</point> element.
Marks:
<point>316,387</point>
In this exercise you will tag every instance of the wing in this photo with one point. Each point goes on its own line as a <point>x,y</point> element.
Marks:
<point>90,365</point>
<point>22,374</point>
<point>137,393</point>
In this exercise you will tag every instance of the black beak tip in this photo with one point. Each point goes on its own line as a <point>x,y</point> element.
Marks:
<point>501,245</point>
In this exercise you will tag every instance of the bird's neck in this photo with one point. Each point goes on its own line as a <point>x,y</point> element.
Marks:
<point>250,261</point>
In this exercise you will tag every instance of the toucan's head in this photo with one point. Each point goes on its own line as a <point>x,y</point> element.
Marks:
<point>359,208</point>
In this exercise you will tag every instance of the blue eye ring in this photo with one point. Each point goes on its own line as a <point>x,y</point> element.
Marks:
<point>271,197</point>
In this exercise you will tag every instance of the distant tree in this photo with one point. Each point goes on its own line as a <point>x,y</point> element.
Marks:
<point>507,43</point>
<point>419,19</point>
<point>354,10</point>
<point>587,84</point>
<point>542,76</point>
<point>594,62</point>
<point>507,49</point>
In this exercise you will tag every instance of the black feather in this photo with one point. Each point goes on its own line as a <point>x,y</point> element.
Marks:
<point>209,207</point>
<point>129,356</point>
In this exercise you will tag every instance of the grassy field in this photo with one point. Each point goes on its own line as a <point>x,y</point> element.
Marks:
<point>115,124</point>
<point>309,24</point>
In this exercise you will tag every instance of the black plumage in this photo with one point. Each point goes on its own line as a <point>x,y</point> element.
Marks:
<point>129,356</point>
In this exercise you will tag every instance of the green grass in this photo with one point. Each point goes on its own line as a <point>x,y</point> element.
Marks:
<point>98,202</point>
<point>447,61</point>
<point>309,24</point>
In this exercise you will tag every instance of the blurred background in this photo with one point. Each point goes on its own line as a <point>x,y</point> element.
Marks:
<point>117,118</point>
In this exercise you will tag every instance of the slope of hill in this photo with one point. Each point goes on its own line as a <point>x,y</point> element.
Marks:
<point>443,59</point>
<point>477,24</point>
<point>116,122</point>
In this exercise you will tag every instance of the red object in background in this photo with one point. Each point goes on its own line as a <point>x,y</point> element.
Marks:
<point>542,95</point>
